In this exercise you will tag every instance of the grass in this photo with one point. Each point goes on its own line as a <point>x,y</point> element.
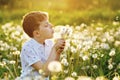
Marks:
<point>62,17</point>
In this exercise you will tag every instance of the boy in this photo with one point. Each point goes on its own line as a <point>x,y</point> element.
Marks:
<point>39,51</point>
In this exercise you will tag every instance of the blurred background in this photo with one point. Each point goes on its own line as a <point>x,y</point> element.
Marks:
<point>62,12</point>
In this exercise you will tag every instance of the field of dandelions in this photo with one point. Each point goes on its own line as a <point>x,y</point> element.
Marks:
<point>92,52</point>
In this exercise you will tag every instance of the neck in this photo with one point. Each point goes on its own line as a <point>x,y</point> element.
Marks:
<point>41,41</point>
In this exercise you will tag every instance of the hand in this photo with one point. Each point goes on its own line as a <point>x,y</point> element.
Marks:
<point>59,46</point>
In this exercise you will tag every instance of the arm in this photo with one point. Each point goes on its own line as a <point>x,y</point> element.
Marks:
<point>54,55</point>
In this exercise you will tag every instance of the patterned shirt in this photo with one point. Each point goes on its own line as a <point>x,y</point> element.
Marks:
<point>32,52</point>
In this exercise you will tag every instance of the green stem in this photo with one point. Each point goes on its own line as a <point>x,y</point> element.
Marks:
<point>10,71</point>
<point>15,70</point>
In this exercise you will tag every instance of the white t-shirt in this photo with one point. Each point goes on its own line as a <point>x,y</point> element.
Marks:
<point>32,52</point>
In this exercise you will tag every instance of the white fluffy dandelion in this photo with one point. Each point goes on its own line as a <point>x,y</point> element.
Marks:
<point>74,74</point>
<point>112,52</point>
<point>55,66</point>
<point>84,78</point>
<point>69,78</point>
<point>101,78</point>
<point>110,66</point>
<point>116,78</point>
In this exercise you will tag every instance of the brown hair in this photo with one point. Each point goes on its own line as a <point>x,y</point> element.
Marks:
<point>31,21</point>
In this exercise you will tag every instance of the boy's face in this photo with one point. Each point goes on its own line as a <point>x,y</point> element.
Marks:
<point>45,30</point>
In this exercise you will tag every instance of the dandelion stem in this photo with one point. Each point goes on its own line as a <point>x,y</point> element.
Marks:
<point>10,71</point>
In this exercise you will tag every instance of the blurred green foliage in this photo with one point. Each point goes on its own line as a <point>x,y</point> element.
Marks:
<point>62,12</point>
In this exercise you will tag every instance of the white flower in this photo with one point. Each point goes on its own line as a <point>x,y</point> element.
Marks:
<point>73,49</point>
<point>63,56</point>
<point>111,39</point>
<point>2,63</point>
<point>41,72</point>
<point>112,52</point>
<point>115,23</point>
<point>101,78</point>
<point>66,71</point>
<point>102,55</point>
<point>69,78</point>
<point>95,66</point>
<point>17,33</point>
<point>99,28</point>
<point>116,78</point>
<point>65,31</point>
<point>55,66</point>
<point>12,62</point>
<point>18,78</point>
<point>84,78</point>
<point>16,53</point>
<point>64,62</point>
<point>85,58</point>
<point>105,46</point>
<point>117,43</point>
<point>110,66</point>
<point>94,56</point>
<point>74,74</point>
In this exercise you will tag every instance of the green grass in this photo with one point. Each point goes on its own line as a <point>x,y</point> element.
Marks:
<point>62,17</point>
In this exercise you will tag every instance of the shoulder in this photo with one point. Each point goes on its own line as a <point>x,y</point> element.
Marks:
<point>28,44</point>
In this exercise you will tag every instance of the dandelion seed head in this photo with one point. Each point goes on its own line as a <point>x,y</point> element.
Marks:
<point>69,78</point>
<point>12,62</point>
<point>110,66</point>
<point>101,78</point>
<point>112,52</point>
<point>55,66</point>
<point>95,66</point>
<point>84,78</point>
<point>74,74</point>
<point>94,56</point>
<point>117,43</point>
<point>85,58</point>
<point>65,71</point>
<point>116,78</point>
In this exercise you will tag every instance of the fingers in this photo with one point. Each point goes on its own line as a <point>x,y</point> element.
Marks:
<point>60,44</point>
<point>59,51</point>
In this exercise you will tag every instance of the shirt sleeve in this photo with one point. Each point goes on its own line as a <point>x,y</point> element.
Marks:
<point>30,55</point>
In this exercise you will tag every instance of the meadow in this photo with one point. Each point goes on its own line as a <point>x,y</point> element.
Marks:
<point>92,50</point>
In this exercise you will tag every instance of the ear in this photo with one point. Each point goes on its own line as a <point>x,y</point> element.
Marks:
<point>36,33</point>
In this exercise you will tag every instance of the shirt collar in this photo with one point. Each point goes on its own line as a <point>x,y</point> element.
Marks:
<point>35,43</point>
